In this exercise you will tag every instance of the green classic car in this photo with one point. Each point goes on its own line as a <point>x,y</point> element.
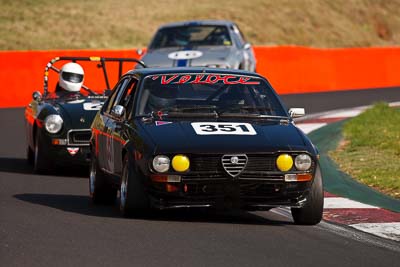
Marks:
<point>58,123</point>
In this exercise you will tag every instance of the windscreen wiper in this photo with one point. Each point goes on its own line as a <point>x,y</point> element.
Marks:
<point>191,108</point>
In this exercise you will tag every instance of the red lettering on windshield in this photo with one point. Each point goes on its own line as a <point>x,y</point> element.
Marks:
<point>206,79</point>
<point>164,79</point>
<point>184,79</point>
<point>198,78</point>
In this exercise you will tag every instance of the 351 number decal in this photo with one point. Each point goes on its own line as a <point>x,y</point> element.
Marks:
<point>223,128</point>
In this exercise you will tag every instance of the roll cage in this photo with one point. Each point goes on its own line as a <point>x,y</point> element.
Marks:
<point>102,64</point>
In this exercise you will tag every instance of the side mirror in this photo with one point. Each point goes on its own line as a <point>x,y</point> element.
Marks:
<point>139,51</point>
<point>37,96</point>
<point>297,112</point>
<point>246,46</point>
<point>118,111</point>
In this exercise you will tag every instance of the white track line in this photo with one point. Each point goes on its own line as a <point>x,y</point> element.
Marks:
<point>386,230</point>
<point>309,127</point>
<point>345,203</point>
<point>343,114</point>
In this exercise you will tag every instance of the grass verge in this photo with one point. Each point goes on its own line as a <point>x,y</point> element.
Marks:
<point>370,149</point>
<point>77,24</point>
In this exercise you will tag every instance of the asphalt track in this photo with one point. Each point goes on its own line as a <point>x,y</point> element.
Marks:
<point>48,220</point>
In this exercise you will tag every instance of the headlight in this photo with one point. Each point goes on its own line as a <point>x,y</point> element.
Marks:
<point>180,163</point>
<point>284,162</point>
<point>53,123</point>
<point>303,162</point>
<point>161,163</point>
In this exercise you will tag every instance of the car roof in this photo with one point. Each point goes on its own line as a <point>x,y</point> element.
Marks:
<point>198,23</point>
<point>155,71</point>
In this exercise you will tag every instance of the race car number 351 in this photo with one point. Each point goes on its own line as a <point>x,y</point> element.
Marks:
<point>223,128</point>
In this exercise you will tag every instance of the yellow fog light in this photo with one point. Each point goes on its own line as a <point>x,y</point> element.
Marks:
<point>180,163</point>
<point>284,162</point>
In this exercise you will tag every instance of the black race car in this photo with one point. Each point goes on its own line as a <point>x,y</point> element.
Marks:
<point>202,137</point>
<point>58,122</point>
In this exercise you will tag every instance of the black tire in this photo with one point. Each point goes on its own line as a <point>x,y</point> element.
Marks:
<point>312,212</point>
<point>30,155</point>
<point>133,198</point>
<point>101,192</point>
<point>40,163</point>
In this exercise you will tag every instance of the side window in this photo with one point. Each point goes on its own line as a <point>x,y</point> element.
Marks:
<point>129,97</point>
<point>238,36</point>
<point>115,95</point>
<point>127,94</point>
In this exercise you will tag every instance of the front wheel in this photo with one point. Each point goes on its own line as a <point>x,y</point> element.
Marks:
<point>133,198</point>
<point>312,212</point>
<point>40,163</point>
<point>100,191</point>
<point>29,155</point>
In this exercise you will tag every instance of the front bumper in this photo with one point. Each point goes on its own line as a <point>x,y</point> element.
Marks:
<point>62,155</point>
<point>230,194</point>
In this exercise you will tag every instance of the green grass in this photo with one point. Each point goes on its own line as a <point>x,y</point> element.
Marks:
<point>97,24</point>
<point>370,149</point>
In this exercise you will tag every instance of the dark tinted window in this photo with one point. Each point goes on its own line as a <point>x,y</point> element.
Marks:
<point>184,36</point>
<point>218,93</point>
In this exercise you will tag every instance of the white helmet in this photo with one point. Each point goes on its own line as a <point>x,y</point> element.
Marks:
<point>71,77</point>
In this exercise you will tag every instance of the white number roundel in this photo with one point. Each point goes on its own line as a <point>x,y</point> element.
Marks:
<point>222,128</point>
<point>185,54</point>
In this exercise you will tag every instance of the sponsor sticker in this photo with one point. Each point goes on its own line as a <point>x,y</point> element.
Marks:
<point>223,128</point>
<point>159,123</point>
<point>92,106</point>
<point>72,150</point>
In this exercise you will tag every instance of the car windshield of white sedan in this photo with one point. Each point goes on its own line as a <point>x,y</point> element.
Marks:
<point>208,94</point>
<point>191,36</point>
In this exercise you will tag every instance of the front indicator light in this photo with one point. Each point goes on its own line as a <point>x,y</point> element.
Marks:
<point>180,163</point>
<point>303,177</point>
<point>59,142</point>
<point>284,162</point>
<point>165,178</point>
<point>161,163</point>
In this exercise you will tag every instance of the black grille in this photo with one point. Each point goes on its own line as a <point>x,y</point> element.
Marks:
<point>259,163</point>
<point>210,164</point>
<point>79,137</point>
<point>213,164</point>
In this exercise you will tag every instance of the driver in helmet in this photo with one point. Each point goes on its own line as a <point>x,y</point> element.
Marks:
<point>70,79</point>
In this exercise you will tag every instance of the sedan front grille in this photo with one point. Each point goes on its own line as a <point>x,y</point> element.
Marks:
<point>213,164</point>
<point>260,167</point>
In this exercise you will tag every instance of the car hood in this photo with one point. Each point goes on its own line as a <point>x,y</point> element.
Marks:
<point>180,137</point>
<point>78,114</point>
<point>208,55</point>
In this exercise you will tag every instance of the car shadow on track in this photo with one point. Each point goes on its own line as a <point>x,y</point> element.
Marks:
<point>69,203</point>
<point>21,166</point>
<point>15,165</point>
<point>82,205</point>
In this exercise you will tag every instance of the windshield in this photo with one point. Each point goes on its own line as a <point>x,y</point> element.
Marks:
<point>213,94</point>
<point>188,36</point>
